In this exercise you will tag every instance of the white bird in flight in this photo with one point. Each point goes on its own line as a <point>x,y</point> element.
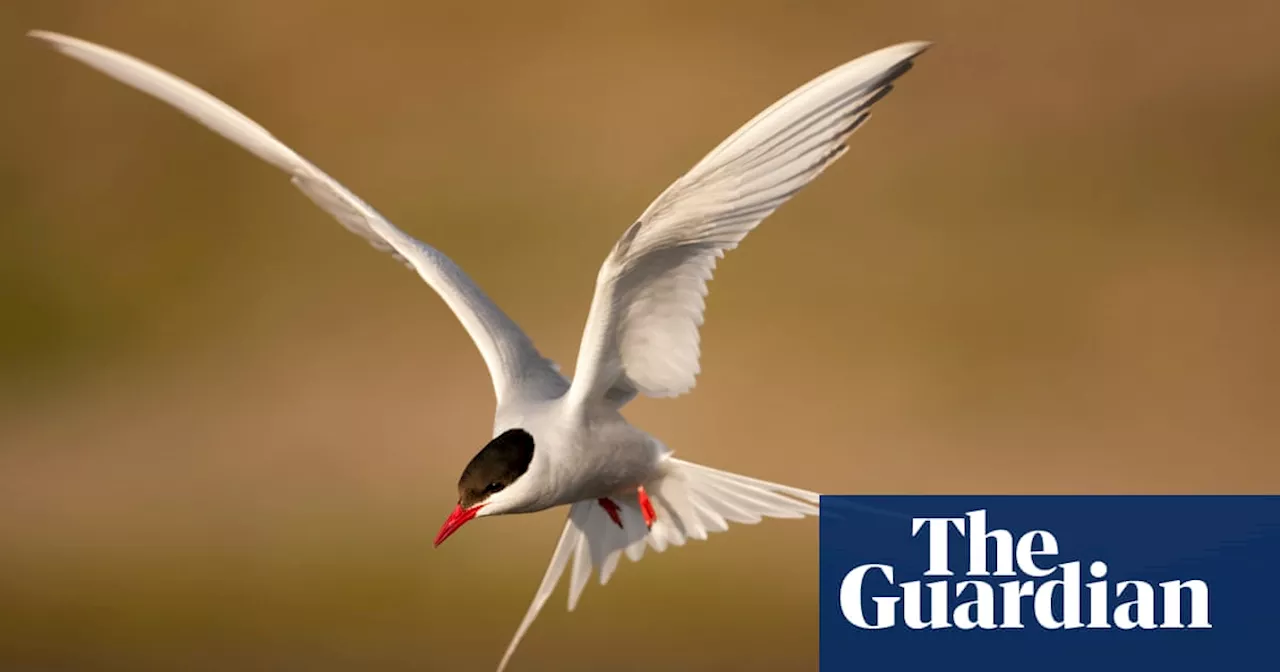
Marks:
<point>558,442</point>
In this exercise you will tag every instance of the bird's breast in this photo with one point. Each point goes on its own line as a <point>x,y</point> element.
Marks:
<point>591,465</point>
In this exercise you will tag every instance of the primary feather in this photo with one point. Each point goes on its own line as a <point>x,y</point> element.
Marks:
<point>642,332</point>
<point>515,366</point>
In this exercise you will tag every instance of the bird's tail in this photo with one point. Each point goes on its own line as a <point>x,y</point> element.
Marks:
<point>691,501</point>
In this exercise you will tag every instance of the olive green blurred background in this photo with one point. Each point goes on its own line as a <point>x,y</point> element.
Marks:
<point>229,429</point>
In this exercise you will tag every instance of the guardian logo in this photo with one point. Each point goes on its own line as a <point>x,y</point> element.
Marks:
<point>1052,593</point>
<point>1049,583</point>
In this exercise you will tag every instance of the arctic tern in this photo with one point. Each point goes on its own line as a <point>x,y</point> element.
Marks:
<point>557,442</point>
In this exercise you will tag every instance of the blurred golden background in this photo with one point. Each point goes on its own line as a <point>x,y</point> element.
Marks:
<point>229,430</point>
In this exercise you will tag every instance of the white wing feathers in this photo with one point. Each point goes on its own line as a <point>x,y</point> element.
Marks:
<point>691,501</point>
<point>642,331</point>
<point>514,364</point>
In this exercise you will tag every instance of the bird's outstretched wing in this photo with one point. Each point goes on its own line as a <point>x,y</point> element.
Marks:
<point>515,365</point>
<point>642,332</point>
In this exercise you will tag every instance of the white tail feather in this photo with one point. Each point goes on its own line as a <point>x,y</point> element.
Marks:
<point>691,502</point>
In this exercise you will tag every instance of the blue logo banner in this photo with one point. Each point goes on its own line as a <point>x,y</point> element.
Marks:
<point>1049,583</point>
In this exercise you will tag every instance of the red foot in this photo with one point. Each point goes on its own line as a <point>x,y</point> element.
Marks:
<point>646,507</point>
<point>612,509</point>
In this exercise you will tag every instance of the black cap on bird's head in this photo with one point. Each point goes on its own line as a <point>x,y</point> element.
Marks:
<point>497,465</point>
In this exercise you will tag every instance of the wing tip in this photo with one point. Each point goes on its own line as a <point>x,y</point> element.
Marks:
<point>44,35</point>
<point>912,48</point>
<point>900,55</point>
<point>56,40</point>
<point>74,47</point>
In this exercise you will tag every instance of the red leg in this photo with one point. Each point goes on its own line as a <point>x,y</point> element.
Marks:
<point>646,507</point>
<point>612,509</point>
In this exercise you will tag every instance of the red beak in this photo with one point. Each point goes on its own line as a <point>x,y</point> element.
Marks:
<point>457,519</point>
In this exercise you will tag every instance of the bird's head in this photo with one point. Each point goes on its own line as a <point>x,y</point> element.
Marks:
<point>490,485</point>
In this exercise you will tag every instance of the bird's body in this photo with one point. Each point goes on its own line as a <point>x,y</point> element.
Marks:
<point>558,442</point>
<point>585,453</point>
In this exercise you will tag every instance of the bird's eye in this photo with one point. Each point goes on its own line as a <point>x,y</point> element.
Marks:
<point>493,487</point>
